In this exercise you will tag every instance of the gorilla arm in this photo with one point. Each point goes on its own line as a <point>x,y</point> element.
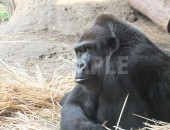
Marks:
<point>78,111</point>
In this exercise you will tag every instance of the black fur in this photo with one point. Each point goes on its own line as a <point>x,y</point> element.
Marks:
<point>99,96</point>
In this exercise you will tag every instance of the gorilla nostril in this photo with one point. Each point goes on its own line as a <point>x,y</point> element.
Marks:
<point>81,65</point>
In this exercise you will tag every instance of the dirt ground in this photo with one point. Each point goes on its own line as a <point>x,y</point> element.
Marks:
<point>30,49</point>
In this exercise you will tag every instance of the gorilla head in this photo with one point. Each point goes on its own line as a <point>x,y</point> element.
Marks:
<point>101,45</point>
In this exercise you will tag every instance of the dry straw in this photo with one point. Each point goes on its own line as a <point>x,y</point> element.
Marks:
<point>30,102</point>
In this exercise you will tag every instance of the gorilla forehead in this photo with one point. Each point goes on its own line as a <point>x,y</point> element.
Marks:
<point>104,19</point>
<point>100,30</point>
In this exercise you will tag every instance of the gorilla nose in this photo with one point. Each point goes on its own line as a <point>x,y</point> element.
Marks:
<point>81,65</point>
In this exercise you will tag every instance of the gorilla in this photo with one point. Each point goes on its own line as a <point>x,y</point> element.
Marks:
<point>115,59</point>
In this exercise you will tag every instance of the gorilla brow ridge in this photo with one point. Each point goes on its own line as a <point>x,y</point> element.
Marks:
<point>86,42</point>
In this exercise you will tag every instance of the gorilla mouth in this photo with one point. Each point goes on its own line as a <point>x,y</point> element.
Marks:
<point>82,79</point>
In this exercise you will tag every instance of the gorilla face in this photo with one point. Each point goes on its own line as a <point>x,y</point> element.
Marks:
<point>92,49</point>
<point>85,71</point>
<point>86,51</point>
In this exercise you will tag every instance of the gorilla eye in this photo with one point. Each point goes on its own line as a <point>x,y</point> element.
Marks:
<point>79,52</point>
<point>87,49</point>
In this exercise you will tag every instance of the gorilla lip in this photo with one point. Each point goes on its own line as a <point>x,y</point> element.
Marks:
<point>78,80</point>
<point>81,79</point>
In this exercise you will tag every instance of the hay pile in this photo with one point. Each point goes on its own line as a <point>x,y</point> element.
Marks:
<point>158,125</point>
<point>30,102</point>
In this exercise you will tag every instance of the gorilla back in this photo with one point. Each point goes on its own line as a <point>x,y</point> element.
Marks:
<point>115,59</point>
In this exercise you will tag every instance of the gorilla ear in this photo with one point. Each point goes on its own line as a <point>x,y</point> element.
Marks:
<point>113,43</point>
